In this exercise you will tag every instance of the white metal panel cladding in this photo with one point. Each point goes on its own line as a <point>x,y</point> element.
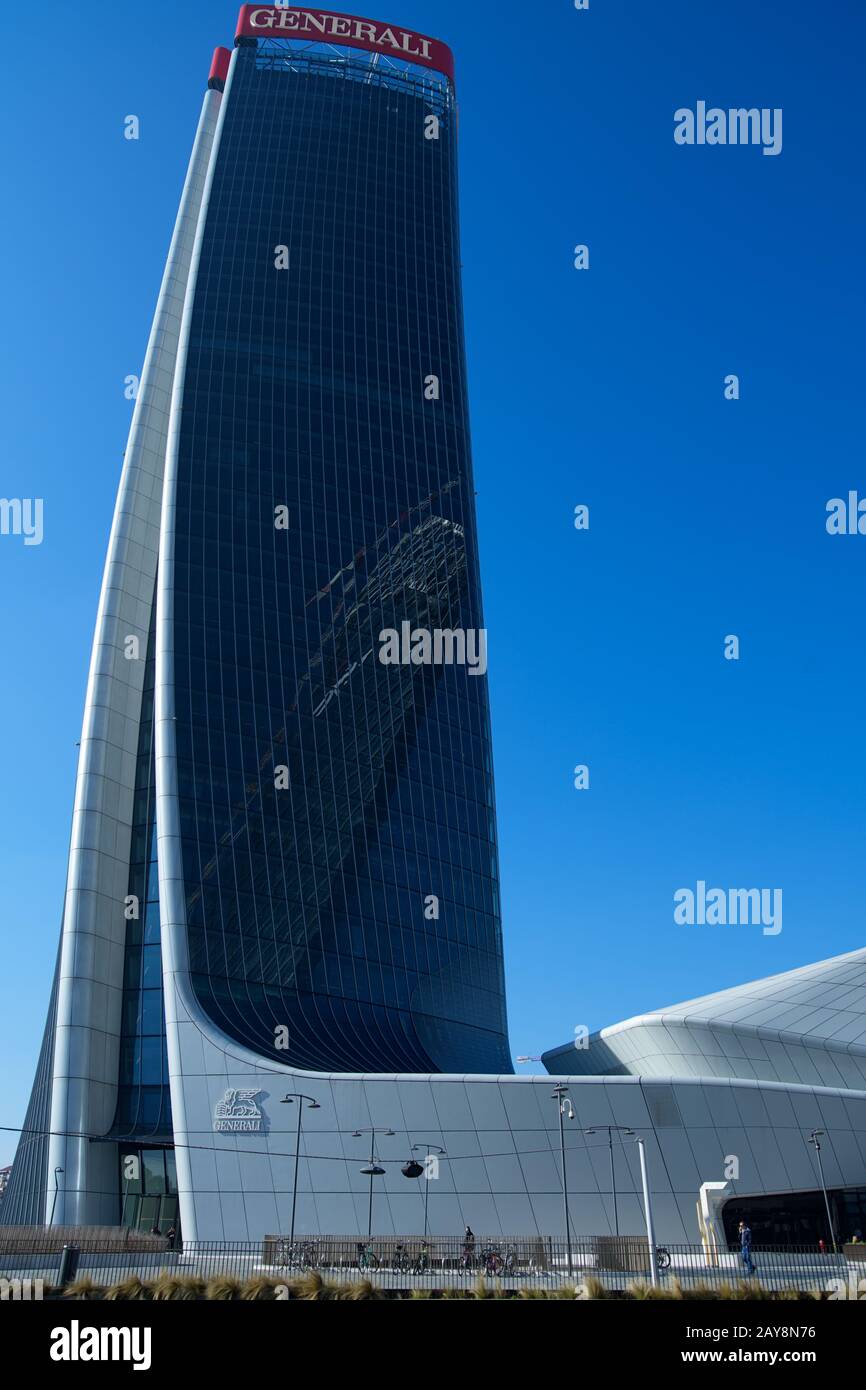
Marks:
<point>804,1026</point>
<point>502,1141</point>
<point>85,1059</point>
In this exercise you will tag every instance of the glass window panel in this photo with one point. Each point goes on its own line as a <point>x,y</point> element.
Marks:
<point>148,1213</point>
<point>151,1011</point>
<point>153,1170</point>
<point>151,923</point>
<point>151,959</point>
<point>151,1060</point>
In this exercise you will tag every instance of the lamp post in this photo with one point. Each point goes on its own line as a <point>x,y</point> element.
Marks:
<point>428,1148</point>
<point>313,1105</point>
<point>54,1199</point>
<point>648,1213</point>
<point>814,1138</point>
<point>629,1133</point>
<point>565,1107</point>
<point>374,1170</point>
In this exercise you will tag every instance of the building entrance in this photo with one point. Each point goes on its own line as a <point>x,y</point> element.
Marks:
<point>148,1188</point>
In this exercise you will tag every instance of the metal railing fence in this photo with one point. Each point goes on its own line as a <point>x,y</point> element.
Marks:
<point>409,1262</point>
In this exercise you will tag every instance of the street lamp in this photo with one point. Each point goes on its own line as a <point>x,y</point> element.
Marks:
<point>374,1170</point>
<point>814,1139</point>
<point>413,1169</point>
<point>54,1200</point>
<point>565,1107</point>
<point>629,1133</point>
<point>312,1105</point>
<point>648,1213</point>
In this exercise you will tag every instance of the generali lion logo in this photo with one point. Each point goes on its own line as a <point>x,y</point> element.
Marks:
<point>238,1113</point>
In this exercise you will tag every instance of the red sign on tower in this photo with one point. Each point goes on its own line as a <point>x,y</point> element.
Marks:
<point>278,21</point>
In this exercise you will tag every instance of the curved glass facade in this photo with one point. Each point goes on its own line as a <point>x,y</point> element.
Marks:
<point>143,1096</point>
<point>337,813</point>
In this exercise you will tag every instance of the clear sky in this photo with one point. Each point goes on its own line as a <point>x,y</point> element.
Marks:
<point>603,387</point>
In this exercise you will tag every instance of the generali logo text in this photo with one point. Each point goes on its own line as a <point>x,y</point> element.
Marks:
<point>238,1112</point>
<point>342,28</point>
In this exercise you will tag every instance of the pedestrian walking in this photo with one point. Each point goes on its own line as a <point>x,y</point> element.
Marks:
<point>745,1234</point>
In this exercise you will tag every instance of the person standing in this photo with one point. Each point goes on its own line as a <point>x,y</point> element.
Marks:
<point>468,1247</point>
<point>745,1234</point>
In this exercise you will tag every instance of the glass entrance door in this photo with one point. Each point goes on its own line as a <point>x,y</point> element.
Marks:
<point>148,1187</point>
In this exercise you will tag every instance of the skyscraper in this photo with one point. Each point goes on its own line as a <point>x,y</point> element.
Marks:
<point>282,883</point>
<point>272,819</point>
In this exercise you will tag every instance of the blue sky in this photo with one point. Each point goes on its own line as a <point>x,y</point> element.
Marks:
<point>602,387</point>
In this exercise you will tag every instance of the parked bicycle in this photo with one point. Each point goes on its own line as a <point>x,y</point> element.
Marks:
<point>367,1257</point>
<point>663,1257</point>
<point>421,1262</point>
<point>302,1254</point>
<point>409,1262</point>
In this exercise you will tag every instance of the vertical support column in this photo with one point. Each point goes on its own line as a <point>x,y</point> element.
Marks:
<point>90,984</point>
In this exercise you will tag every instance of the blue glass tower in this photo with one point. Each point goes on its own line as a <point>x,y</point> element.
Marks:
<point>266,808</point>
<point>351,900</point>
